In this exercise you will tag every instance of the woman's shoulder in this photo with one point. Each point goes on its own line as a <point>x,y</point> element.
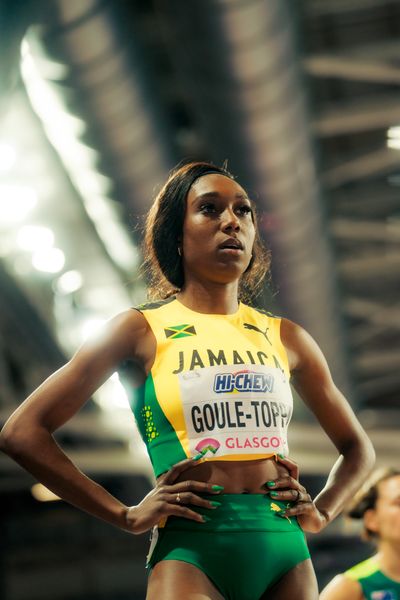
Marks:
<point>128,321</point>
<point>122,336</point>
<point>341,587</point>
<point>301,347</point>
<point>249,307</point>
<point>291,332</point>
<point>294,338</point>
<point>153,305</point>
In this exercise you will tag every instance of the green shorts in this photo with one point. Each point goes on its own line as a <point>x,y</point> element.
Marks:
<point>244,547</point>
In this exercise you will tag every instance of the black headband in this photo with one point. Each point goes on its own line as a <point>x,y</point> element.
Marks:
<point>185,189</point>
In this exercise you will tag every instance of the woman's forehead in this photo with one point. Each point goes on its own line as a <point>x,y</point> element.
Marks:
<point>218,183</point>
<point>390,488</point>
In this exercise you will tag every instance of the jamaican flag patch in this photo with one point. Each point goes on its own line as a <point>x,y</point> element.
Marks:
<point>179,331</point>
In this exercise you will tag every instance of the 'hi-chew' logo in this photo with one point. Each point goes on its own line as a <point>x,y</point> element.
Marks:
<point>243,381</point>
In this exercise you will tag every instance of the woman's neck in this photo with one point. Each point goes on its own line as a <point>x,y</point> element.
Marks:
<point>213,298</point>
<point>389,559</point>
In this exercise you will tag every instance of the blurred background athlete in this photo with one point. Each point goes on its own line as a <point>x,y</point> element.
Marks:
<point>378,577</point>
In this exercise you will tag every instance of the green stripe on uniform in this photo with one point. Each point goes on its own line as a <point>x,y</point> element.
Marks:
<point>162,442</point>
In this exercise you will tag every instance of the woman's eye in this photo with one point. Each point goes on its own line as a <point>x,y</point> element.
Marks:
<point>245,209</point>
<point>207,208</point>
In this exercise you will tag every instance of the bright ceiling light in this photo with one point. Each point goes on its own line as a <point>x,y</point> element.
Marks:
<point>16,201</point>
<point>112,395</point>
<point>91,327</point>
<point>393,138</point>
<point>114,237</point>
<point>393,132</point>
<point>393,143</point>
<point>43,494</point>
<point>90,182</point>
<point>116,394</point>
<point>118,244</point>
<point>35,237</point>
<point>63,130</point>
<point>65,127</point>
<point>50,260</point>
<point>69,282</point>
<point>7,157</point>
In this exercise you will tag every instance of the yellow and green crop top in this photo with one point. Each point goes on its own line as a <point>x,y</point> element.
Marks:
<point>374,584</point>
<point>219,386</point>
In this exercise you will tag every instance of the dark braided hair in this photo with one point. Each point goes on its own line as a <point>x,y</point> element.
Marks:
<point>163,234</point>
<point>367,497</point>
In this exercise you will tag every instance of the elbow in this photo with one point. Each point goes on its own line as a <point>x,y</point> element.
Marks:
<point>5,439</point>
<point>367,452</point>
<point>362,452</point>
<point>370,454</point>
<point>13,439</point>
<point>3,442</point>
<point>367,458</point>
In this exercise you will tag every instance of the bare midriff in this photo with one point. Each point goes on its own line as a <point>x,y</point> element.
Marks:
<point>237,477</point>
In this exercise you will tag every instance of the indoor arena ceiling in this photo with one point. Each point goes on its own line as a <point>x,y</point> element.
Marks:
<point>303,99</point>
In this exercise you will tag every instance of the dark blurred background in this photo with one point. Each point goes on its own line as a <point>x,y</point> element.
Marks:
<point>98,100</point>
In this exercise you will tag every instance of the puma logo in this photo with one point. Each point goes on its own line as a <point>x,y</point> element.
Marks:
<point>254,328</point>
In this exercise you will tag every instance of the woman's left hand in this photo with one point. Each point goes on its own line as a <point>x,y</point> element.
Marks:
<point>288,489</point>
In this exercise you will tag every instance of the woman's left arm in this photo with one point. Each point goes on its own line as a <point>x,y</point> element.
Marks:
<point>312,380</point>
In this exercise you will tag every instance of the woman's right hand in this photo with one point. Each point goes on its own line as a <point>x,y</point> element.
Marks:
<point>170,498</point>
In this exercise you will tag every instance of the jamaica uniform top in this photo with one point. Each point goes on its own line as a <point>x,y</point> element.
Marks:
<point>374,584</point>
<point>219,386</point>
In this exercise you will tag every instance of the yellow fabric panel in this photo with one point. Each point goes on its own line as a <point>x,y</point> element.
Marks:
<point>363,569</point>
<point>188,341</point>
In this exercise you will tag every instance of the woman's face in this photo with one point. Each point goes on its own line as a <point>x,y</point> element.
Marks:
<point>218,230</point>
<point>385,518</point>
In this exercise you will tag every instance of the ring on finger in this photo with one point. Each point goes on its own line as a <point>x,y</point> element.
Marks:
<point>298,496</point>
<point>178,498</point>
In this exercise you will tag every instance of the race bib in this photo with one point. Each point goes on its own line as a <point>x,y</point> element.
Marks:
<point>242,409</point>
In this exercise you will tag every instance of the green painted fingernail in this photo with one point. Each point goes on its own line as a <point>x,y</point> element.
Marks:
<point>217,488</point>
<point>273,494</point>
<point>205,518</point>
<point>215,504</point>
<point>281,455</point>
<point>271,483</point>
<point>198,456</point>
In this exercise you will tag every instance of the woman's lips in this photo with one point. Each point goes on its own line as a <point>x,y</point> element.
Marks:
<point>231,244</point>
<point>231,250</point>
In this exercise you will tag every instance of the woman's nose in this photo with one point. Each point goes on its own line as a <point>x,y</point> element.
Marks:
<point>230,220</point>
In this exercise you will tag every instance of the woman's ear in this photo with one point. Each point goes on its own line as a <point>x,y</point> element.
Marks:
<point>371,520</point>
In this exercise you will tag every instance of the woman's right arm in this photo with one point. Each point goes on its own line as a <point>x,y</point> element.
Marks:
<point>342,588</point>
<point>27,435</point>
